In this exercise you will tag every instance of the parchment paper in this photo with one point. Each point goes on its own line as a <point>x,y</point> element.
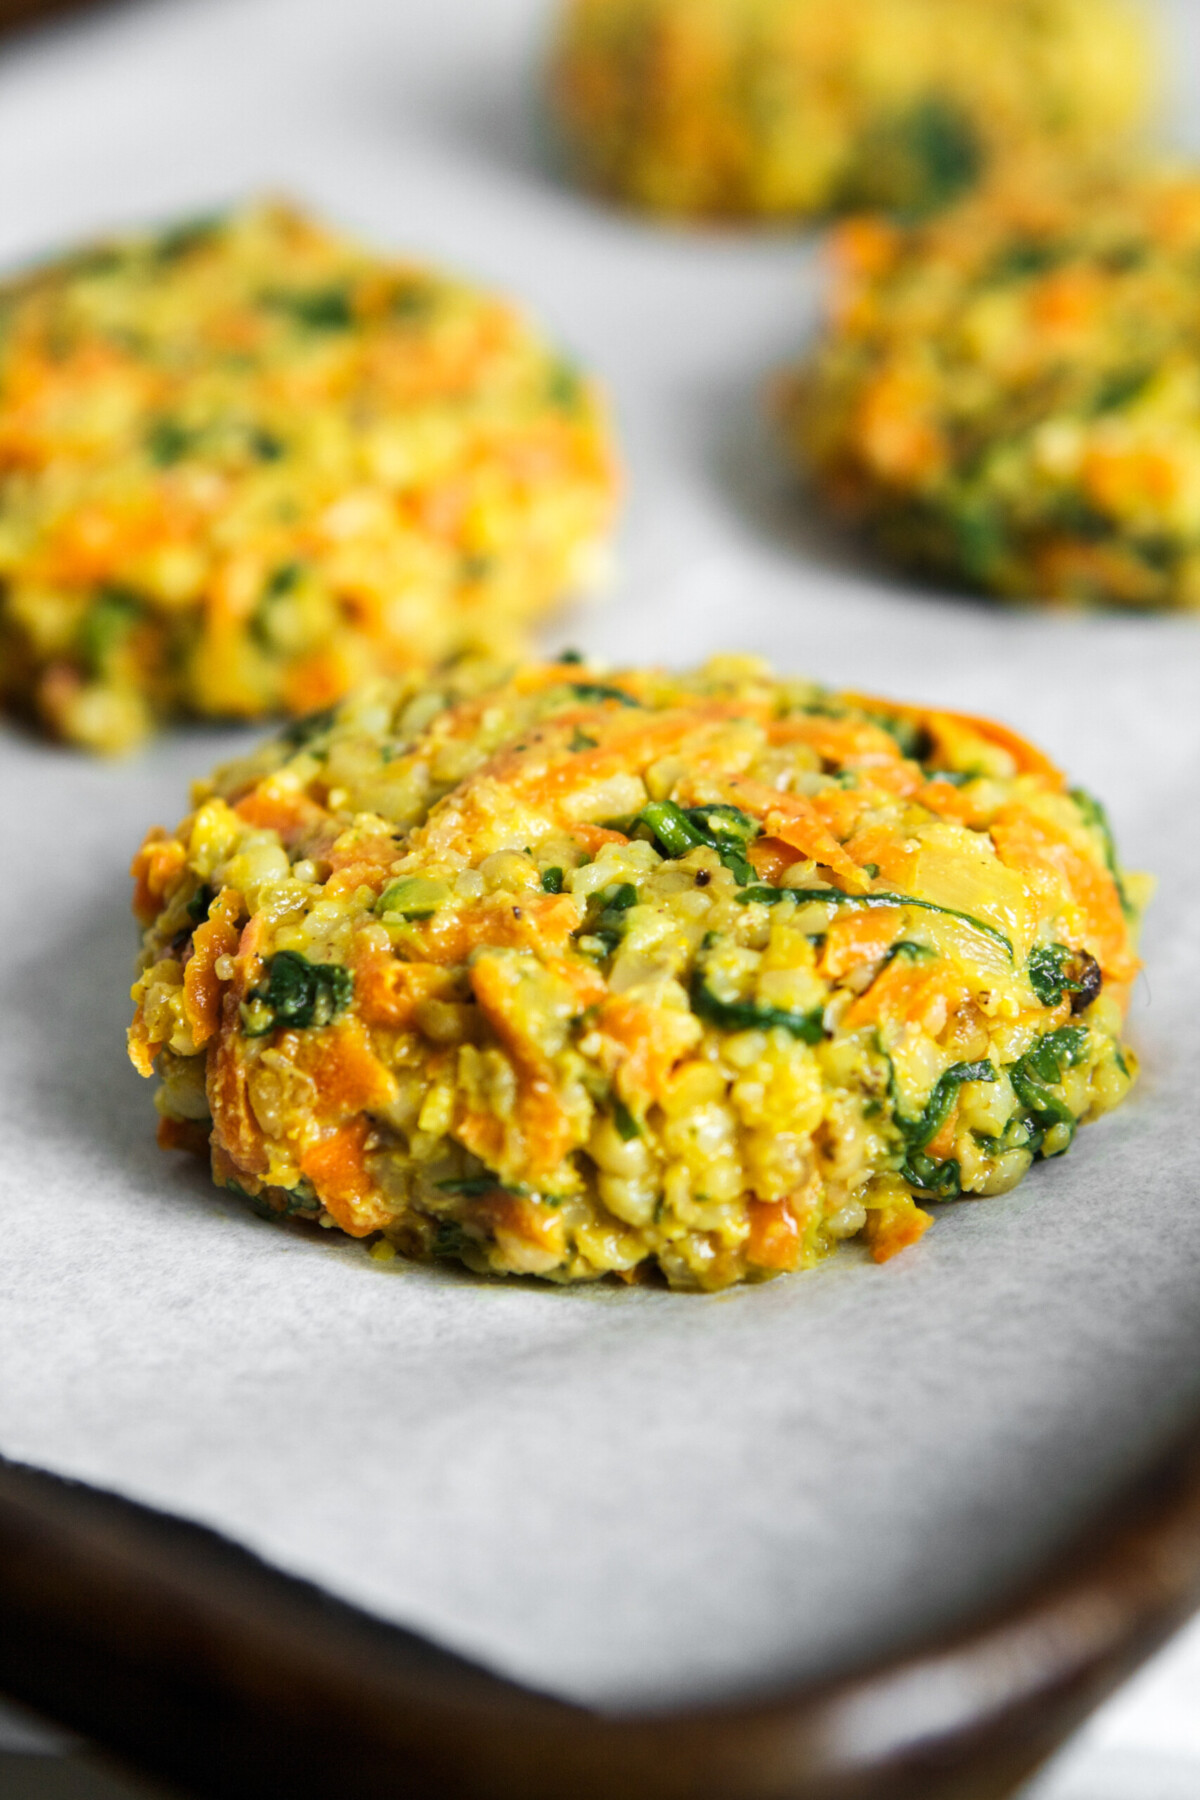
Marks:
<point>628,1498</point>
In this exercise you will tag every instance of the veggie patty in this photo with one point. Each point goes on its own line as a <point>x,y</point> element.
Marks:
<point>1009,396</point>
<point>570,976</point>
<point>245,464</point>
<point>800,107</point>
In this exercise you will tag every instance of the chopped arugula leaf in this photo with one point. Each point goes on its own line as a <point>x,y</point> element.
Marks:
<point>1120,386</point>
<point>320,309</point>
<point>190,234</point>
<point>552,881</point>
<point>907,951</point>
<point>725,829</point>
<point>474,1187</point>
<point>1055,971</point>
<point>1040,1069</point>
<point>1095,816</point>
<point>106,624</point>
<point>745,1015</point>
<point>167,442</point>
<point>297,995</point>
<point>627,1126</point>
<point>565,386</point>
<point>772,896</point>
<point>302,731</point>
<point>598,690</point>
<point>198,905</point>
<point>265,445</point>
<point>917,1133</point>
<point>943,1180</point>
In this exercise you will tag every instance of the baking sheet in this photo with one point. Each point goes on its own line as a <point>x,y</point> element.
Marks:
<point>628,1498</point>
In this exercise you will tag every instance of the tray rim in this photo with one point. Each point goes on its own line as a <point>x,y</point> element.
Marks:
<point>187,1657</point>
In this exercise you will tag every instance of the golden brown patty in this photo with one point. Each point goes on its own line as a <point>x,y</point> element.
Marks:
<point>245,463</point>
<point>1010,395</point>
<point>800,107</point>
<point>574,974</point>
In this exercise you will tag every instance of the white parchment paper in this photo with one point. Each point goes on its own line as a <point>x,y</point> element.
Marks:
<point>629,1498</point>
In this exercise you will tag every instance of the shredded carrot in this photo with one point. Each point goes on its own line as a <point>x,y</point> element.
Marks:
<point>154,870</point>
<point>236,1130</point>
<point>650,1040</point>
<point>1028,759</point>
<point>1037,847</point>
<point>848,743</point>
<point>217,937</point>
<point>341,1063</point>
<point>891,1229</point>
<point>271,807</point>
<point>142,1048</point>
<point>183,1134</point>
<point>910,993</point>
<point>548,1129</point>
<point>859,937</point>
<point>336,1166</point>
<point>942,1146</point>
<point>388,992</point>
<point>776,1240</point>
<point>795,821</point>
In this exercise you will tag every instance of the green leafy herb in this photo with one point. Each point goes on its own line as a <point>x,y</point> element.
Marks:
<point>941,1179</point>
<point>937,154</point>
<point>1040,1069</point>
<point>552,881</point>
<point>413,299</point>
<point>911,739</point>
<point>724,829</point>
<point>565,386</point>
<point>772,896</point>
<point>302,731</point>
<point>921,1131</point>
<point>284,578</point>
<point>627,1126</point>
<point>598,690</point>
<point>1055,971</point>
<point>619,899</point>
<point>981,538</point>
<point>106,624</point>
<point>607,911</point>
<point>449,1239</point>
<point>1095,816</point>
<point>1046,1108</point>
<point>907,951</point>
<point>580,741</point>
<point>745,1015</point>
<point>1065,1048</point>
<point>474,1187</point>
<point>320,309</point>
<point>190,234</point>
<point>167,441</point>
<point>1120,386</point>
<point>198,905</point>
<point>1028,256</point>
<point>266,446</point>
<point>297,995</point>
